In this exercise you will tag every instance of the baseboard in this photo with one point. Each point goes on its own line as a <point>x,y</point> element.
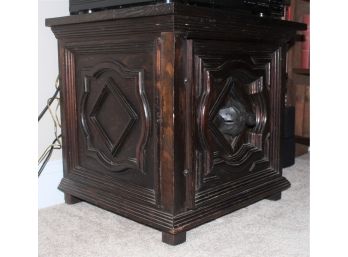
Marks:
<point>49,180</point>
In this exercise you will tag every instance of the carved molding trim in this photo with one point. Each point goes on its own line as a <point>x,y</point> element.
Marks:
<point>110,46</point>
<point>67,96</point>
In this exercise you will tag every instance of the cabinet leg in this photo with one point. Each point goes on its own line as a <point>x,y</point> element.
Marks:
<point>173,239</point>
<point>69,199</point>
<point>275,197</point>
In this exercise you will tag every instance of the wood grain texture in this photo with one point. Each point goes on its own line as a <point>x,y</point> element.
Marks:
<point>141,91</point>
<point>165,87</point>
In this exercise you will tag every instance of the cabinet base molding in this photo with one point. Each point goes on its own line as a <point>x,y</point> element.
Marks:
<point>173,224</point>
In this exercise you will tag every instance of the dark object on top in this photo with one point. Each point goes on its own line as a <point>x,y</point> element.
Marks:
<point>273,8</point>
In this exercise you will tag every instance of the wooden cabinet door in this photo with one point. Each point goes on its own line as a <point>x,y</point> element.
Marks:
<point>108,99</point>
<point>238,96</point>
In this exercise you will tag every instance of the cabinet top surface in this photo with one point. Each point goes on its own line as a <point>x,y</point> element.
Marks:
<point>175,9</point>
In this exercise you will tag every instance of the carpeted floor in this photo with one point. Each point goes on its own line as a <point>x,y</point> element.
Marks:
<point>265,229</point>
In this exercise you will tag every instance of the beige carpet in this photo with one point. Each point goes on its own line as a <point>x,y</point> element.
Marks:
<point>265,229</point>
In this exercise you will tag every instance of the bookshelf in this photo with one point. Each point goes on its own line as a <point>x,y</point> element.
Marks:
<point>298,86</point>
<point>301,71</point>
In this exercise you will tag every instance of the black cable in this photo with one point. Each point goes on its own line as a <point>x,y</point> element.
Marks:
<point>48,155</point>
<point>48,152</point>
<point>50,101</point>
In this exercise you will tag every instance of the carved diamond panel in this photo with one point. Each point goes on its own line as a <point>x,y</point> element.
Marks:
<point>114,114</point>
<point>234,106</point>
<point>114,128</point>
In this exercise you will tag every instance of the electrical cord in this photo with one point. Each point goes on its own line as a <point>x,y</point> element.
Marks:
<point>56,144</point>
<point>50,101</point>
<point>48,155</point>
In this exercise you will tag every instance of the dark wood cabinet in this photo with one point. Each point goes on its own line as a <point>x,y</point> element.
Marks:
<point>171,114</point>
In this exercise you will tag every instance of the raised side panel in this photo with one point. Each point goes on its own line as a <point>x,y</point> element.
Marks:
<point>107,116</point>
<point>233,115</point>
<point>108,99</point>
<point>238,99</point>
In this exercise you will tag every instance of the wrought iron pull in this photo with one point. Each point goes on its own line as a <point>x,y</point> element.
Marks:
<point>233,119</point>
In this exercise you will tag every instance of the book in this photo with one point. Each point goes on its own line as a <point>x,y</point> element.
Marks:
<point>299,108</point>
<point>306,111</point>
<point>305,51</point>
<point>288,10</point>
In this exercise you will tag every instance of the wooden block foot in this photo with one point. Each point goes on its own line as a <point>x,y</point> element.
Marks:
<point>275,197</point>
<point>173,239</point>
<point>69,199</point>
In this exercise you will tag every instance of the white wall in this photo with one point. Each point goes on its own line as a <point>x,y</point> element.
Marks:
<point>48,71</point>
